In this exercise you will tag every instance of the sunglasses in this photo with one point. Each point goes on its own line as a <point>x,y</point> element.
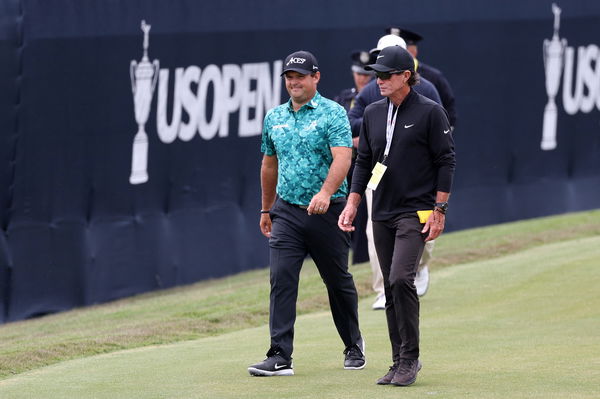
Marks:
<point>387,75</point>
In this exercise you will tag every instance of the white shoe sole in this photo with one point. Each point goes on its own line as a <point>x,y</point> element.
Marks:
<point>356,368</point>
<point>379,303</point>
<point>264,373</point>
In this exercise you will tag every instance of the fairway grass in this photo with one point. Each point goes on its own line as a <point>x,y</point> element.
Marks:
<point>523,325</point>
<point>238,302</point>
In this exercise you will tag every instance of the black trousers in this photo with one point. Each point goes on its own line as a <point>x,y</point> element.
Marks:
<point>399,244</point>
<point>294,235</point>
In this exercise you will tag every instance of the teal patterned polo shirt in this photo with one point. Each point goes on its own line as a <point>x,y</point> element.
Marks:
<point>302,140</point>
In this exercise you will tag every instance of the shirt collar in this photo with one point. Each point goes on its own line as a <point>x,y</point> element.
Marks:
<point>313,103</point>
<point>410,97</point>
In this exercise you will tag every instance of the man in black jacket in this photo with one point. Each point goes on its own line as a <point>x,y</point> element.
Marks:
<point>440,82</point>
<point>369,95</point>
<point>405,154</point>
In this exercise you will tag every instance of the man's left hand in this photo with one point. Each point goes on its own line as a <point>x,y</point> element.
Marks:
<point>435,225</point>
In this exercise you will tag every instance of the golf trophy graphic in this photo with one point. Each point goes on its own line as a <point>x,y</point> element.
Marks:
<point>554,51</point>
<point>143,81</point>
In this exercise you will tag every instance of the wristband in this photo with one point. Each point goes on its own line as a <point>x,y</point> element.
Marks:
<point>264,211</point>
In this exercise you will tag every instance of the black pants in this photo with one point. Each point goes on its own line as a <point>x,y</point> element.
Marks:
<point>399,244</point>
<point>294,235</point>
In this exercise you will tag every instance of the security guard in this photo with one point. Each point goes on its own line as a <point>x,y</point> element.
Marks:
<point>360,59</point>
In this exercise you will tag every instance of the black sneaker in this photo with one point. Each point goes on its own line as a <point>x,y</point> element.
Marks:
<point>273,365</point>
<point>387,379</point>
<point>355,356</point>
<point>406,374</point>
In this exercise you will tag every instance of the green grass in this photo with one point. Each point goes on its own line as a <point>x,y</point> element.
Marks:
<point>218,307</point>
<point>524,325</point>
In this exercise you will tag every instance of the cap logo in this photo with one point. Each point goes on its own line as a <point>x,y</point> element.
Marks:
<point>380,56</point>
<point>296,60</point>
<point>364,57</point>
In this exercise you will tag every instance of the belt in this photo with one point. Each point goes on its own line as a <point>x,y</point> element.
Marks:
<point>337,200</point>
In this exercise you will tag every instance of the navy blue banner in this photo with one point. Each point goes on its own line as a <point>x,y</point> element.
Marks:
<point>10,49</point>
<point>130,131</point>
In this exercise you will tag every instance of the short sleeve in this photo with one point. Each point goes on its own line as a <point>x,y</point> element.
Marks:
<point>267,147</point>
<point>339,133</point>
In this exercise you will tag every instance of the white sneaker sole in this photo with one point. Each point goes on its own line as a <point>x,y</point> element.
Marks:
<point>264,373</point>
<point>379,303</point>
<point>356,368</point>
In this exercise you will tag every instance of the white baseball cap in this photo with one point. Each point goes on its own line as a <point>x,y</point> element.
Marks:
<point>387,41</point>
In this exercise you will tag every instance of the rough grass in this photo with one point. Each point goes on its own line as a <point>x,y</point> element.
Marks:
<point>215,307</point>
<point>494,241</point>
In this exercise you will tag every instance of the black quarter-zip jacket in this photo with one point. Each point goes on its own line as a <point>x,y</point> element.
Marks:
<point>421,159</point>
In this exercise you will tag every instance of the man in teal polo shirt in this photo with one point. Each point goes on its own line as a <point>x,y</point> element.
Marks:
<point>307,146</point>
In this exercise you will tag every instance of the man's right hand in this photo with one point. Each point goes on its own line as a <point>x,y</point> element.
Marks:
<point>265,224</point>
<point>347,217</point>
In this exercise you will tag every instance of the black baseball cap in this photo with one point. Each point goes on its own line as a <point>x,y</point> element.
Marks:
<point>360,59</point>
<point>302,62</point>
<point>409,36</point>
<point>393,58</point>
